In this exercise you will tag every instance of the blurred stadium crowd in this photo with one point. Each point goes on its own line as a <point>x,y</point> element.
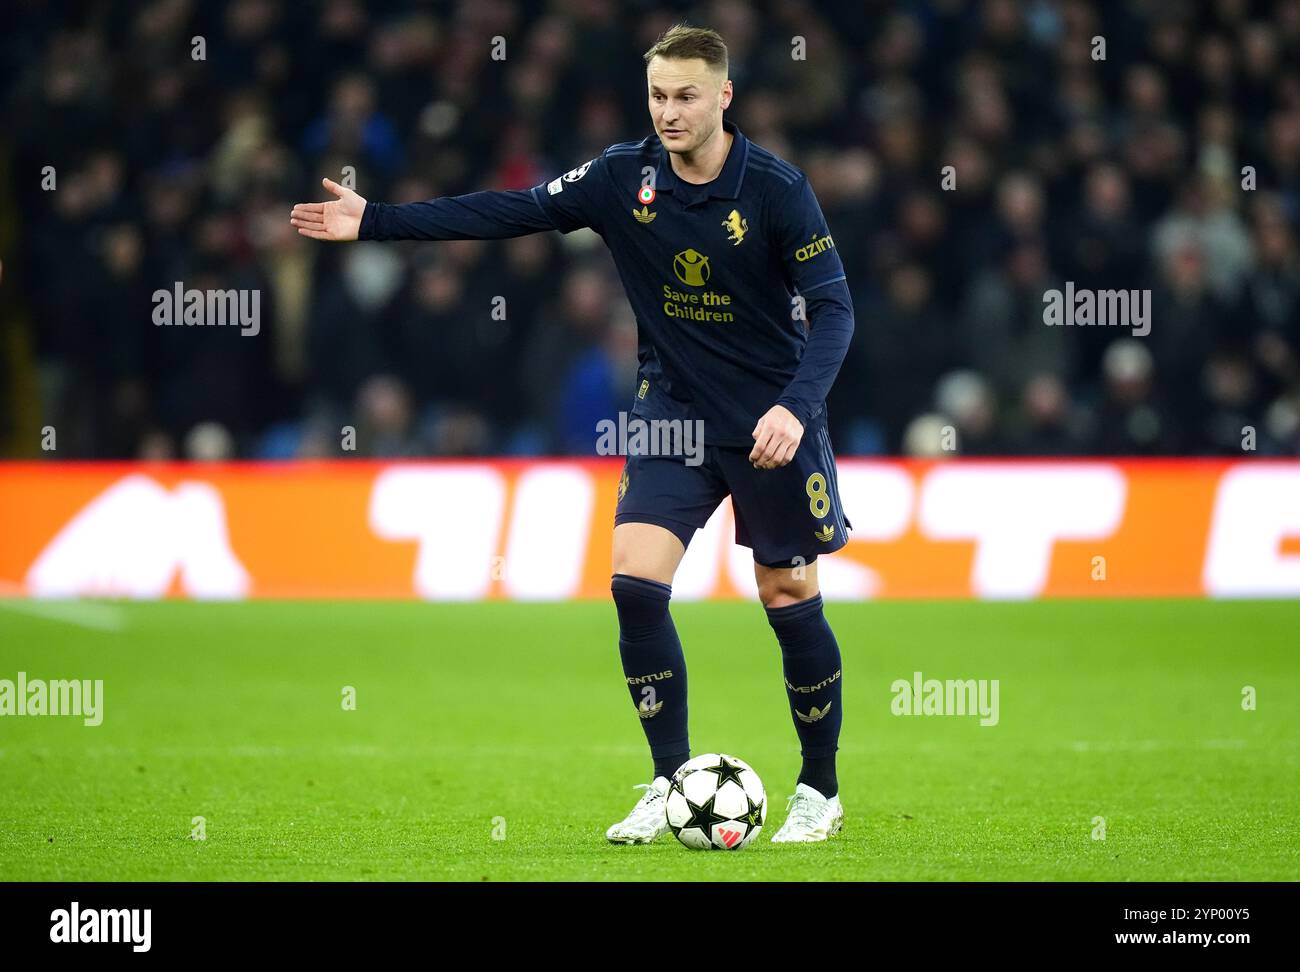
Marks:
<point>1124,172</point>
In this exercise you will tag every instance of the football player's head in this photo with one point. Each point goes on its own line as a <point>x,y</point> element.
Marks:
<point>686,76</point>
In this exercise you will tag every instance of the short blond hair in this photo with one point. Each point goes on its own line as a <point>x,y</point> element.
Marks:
<point>685,43</point>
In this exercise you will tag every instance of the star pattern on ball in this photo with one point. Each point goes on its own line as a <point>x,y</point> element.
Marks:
<point>726,770</point>
<point>754,816</point>
<point>703,816</point>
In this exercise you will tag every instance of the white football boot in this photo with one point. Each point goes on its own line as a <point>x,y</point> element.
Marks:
<point>812,817</point>
<point>648,819</point>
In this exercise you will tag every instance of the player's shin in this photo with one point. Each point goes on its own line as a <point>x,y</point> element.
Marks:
<point>654,666</point>
<point>810,657</point>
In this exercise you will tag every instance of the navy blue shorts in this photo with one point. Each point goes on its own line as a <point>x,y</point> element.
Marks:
<point>781,514</point>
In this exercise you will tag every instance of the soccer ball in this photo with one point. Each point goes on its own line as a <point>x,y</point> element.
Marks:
<point>716,802</point>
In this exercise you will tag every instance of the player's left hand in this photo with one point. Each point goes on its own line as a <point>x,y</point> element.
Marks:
<point>776,437</point>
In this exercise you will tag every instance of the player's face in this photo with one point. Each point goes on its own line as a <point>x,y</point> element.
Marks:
<point>686,101</point>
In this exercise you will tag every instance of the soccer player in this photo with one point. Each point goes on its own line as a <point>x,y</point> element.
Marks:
<point>725,256</point>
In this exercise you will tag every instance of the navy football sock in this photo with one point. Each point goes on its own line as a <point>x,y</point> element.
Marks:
<point>667,765</point>
<point>819,773</point>
<point>810,657</point>
<point>654,666</point>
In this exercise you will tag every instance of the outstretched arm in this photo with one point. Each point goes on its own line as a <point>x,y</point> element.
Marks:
<point>489,215</point>
<point>492,215</point>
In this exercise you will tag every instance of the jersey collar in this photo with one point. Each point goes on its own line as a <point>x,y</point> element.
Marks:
<point>726,185</point>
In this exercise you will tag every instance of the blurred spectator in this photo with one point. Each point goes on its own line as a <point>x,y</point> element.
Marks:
<point>386,426</point>
<point>1007,340</point>
<point>209,442</point>
<point>1132,420</point>
<point>908,344</point>
<point>570,376</point>
<point>968,402</point>
<point>925,437</point>
<point>1049,423</point>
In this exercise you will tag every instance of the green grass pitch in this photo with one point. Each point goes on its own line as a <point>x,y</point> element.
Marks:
<point>475,718</point>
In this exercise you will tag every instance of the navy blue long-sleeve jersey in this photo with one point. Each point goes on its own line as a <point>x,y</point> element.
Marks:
<point>711,271</point>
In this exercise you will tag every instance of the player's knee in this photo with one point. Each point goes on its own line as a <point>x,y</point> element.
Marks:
<point>780,599</point>
<point>781,588</point>
<point>641,603</point>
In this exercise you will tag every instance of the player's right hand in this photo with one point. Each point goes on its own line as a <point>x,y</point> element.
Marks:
<point>338,220</point>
